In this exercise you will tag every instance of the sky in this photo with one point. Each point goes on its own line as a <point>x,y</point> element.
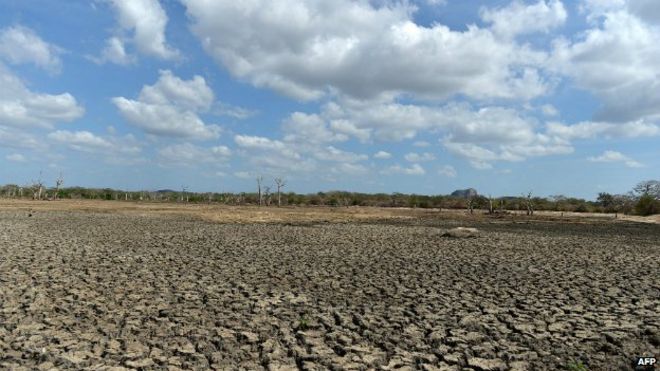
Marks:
<point>553,97</point>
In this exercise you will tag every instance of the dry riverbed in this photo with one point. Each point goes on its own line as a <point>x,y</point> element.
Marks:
<point>88,288</point>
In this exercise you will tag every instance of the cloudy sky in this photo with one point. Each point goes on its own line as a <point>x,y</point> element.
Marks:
<point>374,96</point>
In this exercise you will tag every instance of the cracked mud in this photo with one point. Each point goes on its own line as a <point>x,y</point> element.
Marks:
<point>102,291</point>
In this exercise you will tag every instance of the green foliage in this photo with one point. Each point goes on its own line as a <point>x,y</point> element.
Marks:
<point>303,323</point>
<point>576,366</point>
<point>647,205</point>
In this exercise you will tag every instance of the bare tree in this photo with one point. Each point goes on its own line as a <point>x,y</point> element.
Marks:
<point>58,184</point>
<point>184,189</point>
<point>471,201</point>
<point>490,205</point>
<point>260,180</point>
<point>267,195</point>
<point>280,183</point>
<point>648,187</point>
<point>529,204</point>
<point>37,187</point>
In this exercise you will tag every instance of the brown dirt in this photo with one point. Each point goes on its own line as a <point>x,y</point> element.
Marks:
<point>101,285</point>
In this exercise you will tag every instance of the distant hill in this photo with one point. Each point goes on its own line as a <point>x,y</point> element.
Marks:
<point>165,191</point>
<point>465,193</point>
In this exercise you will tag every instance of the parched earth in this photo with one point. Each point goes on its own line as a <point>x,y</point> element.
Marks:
<point>102,291</point>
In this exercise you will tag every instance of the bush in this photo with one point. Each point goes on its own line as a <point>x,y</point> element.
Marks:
<point>647,205</point>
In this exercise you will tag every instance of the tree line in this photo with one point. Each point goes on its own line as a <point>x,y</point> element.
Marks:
<point>643,199</point>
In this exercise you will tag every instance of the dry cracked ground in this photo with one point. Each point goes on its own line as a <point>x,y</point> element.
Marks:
<point>108,291</point>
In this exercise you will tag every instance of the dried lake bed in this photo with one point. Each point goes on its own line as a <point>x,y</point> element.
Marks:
<point>100,289</point>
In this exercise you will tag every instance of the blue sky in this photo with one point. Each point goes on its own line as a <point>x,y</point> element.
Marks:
<point>374,96</point>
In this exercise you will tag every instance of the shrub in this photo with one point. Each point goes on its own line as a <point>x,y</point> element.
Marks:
<point>647,205</point>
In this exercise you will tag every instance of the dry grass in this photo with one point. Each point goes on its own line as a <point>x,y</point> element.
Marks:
<point>253,214</point>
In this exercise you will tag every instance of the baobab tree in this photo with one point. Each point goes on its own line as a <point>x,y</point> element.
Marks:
<point>280,183</point>
<point>58,184</point>
<point>267,195</point>
<point>260,180</point>
<point>37,188</point>
<point>529,204</point>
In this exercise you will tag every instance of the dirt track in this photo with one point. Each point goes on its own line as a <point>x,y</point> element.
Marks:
<point>100,290</point>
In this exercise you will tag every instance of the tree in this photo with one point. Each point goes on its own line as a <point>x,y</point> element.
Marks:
<point>58,184</point>
<point>648,187</point>
<point>37,188</point>
<point>279,183</point>
<point>260,180</point>
<point>267,195</point>
<point>647,205</point>
<point>529,203</point>
<point>606,200</point>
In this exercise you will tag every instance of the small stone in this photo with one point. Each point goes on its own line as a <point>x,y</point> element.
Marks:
<point>461,232</point>
<point>486,364</point>
<point>141,363</point>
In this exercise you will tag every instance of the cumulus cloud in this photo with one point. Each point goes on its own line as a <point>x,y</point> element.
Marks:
<point>414,169</point>
<point>141,24</point>
<point>417,157</point>
<point>616,60</point>
<point>272,155</point>
<point>519,18</point>
<point>170,107</point>
<point>86,141</point>
<point>304,127</point>
<point>382,155</point>
<point>588,130</point>
<point>614,156</point>
<point>307,49</point>
<point>20,107</point>
<point>448,171</point>
<point>19,44</point>
<point>13,138</point>
<point>190,154</point>
<point>15,157</point>
<point>331,153</point>
<point>115,52</point>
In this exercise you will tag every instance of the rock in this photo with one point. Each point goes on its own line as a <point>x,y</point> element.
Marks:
<point>461,232</point>
<point>486,364</point>
<point>141,363</point>
<point>186,348</point>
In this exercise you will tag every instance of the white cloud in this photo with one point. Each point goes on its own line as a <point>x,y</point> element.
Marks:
<point>614,156</point>
<point>382,155</point>
<point>307,49</point>
<point>170,107</point>
<point>587,130</point>
<point>86,141</point>
<point>272,155</point>
<point>19,44</point>
<point>549,110</point>
<point>421,143</point>
<point>21,107</point>
<point>15,157</point>
<point>13,138</point>
<point>448,171</point>
<point>416,157</point>
<point>189,154</point>
<point>115,52</point>
<point>145,20</point>
<point>331,153</point>
<point>414,169</point>
<point>243,175</point>
<point>306,128</point>
<point>616,60</point>
<point>225,109</point>
<point>518,18</point>
<point>349,169</point>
